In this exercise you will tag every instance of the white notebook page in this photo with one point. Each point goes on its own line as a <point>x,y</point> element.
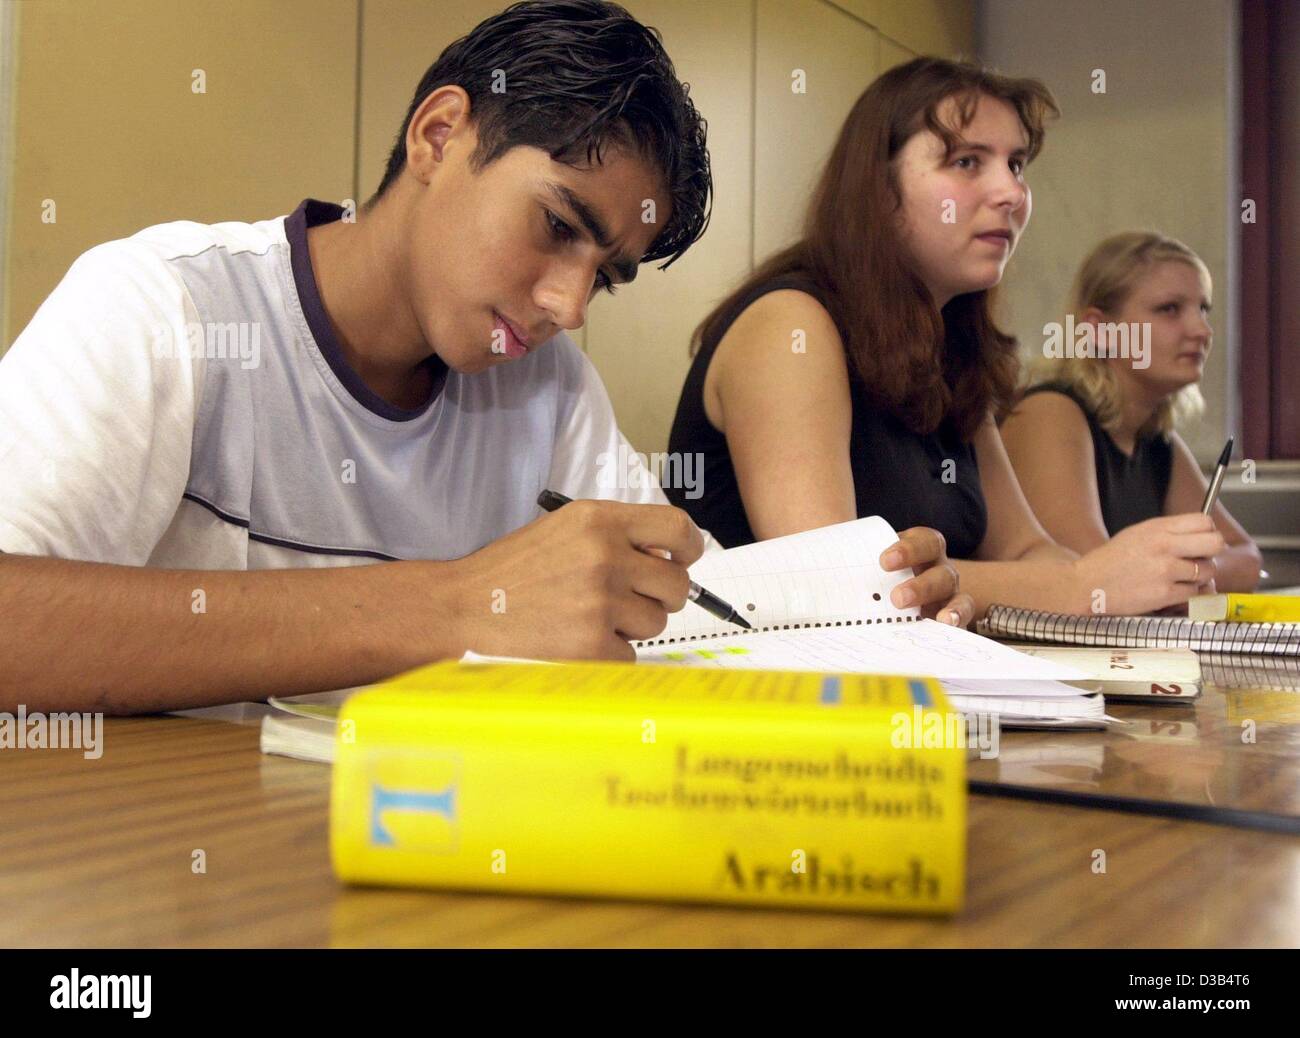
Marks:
<point>924,647</point>
<point>819,600</point>
<point>826,575</point>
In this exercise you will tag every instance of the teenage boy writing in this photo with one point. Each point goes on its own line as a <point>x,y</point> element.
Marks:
<point>204,428</point>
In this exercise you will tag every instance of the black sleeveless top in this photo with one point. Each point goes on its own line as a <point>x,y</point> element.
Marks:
<point>897,474</point>
<point>1131,489</point>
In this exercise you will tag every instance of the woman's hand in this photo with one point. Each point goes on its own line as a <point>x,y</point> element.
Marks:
<point>935,585</point>
<point>1152,565</point>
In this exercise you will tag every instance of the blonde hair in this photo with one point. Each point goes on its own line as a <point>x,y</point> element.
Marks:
<point>1104,281</point>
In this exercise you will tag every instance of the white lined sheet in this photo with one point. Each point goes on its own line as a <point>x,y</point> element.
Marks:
<point>923,647</point>
<point>829,575</point>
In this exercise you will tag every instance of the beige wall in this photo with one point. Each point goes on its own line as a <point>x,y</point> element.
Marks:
<point>8,62</point>
<point>1154,151</point>
<point>108,127</point>
<point>118,139</point>
<point>795,131</point>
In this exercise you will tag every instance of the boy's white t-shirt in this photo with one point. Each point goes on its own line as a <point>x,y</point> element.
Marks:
<point>180,400</point>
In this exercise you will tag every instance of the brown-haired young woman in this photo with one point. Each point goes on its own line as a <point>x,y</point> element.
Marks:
<point>859,371</point>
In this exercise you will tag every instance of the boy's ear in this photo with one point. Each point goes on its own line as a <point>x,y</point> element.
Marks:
<point>440,123</point>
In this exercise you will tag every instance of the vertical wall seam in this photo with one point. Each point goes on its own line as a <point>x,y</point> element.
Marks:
<point>9,164</point>
<point>1232,396</point>
<point>356,108</point>
<point>753,134</point>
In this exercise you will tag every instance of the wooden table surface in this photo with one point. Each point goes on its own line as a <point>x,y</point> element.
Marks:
<point>1232,747</point>
<point>98,853</point>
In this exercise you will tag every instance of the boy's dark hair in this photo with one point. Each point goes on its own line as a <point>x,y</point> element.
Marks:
<point>573,77</point>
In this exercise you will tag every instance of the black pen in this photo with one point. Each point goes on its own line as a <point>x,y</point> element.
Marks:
<point>707,600</point>
<point>1216,481</point>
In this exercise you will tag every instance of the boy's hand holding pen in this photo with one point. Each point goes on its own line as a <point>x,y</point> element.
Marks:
<point>579,584</point>
<point>550,501</point>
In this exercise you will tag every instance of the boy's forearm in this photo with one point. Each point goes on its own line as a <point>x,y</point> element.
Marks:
<point>122,639</point>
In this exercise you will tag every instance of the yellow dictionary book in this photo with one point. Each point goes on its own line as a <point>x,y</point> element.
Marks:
<point>1246,608</point>
<point>839,792</point>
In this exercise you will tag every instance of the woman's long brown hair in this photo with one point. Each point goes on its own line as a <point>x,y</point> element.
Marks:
<point>921,364</point>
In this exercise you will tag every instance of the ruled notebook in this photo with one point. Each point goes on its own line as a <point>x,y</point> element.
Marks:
<point>828,577</point>
<point>819,600</point>
<point>1160,632</point>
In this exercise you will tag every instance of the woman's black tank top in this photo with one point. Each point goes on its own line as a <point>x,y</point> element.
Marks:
<point>906,478</point>
<point>1131,489</point>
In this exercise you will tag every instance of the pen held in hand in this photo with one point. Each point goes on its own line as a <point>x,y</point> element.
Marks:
<point>1216,481</point>
<point>706,600</point>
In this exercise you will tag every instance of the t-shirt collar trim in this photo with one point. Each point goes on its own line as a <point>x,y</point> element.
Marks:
<point>312,213</point>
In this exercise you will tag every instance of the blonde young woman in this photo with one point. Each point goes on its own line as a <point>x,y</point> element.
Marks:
<point>859,371</point>
<point>1093,440</point>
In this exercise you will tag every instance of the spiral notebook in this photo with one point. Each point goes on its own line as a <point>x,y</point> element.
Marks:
<point>819,600</point>
<point>1236,671</point>
<point>1160,632</point>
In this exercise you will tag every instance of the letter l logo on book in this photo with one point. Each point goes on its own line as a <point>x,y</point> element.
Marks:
<point>381,800</point>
